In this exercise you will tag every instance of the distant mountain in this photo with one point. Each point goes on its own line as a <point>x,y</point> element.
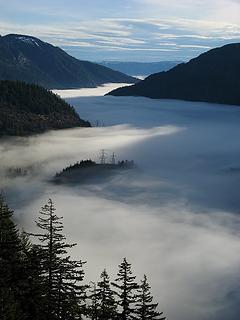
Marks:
<point>213,77</point>
<point>140,68</point>
<point>26,109</point>
<point>29,59</point>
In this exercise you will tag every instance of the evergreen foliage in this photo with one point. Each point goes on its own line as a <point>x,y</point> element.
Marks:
<point>103,305</point>
<point>105,295</point>
<point>19,267</point>
<point>31,285</point>
<point>9,264</point>
<point>93,308</point>
<point>61,276</point>
<point>145,308</point>
<point>27,109</point>
<point>41,282</point>
<point>126,290</point>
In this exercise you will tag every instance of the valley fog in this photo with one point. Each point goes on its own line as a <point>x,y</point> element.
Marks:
<point>175,218</point>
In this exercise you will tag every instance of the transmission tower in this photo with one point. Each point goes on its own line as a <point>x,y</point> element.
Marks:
<point>113,158</point>
<point>103,156</point>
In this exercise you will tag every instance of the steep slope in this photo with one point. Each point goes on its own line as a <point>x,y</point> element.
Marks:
<point>29,59</point>
<point>212,77</point>
<point>27,109</point>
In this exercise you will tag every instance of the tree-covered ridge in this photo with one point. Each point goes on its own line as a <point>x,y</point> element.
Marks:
<point>27,108</point>
<point>212,77</point>
<point>40,281</point>
<point>32,98</point>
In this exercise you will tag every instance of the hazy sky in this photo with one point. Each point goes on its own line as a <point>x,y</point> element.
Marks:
<point>137,30</point>
<point>143,30</point>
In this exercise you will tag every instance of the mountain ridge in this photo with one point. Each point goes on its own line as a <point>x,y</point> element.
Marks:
<point>29,59</point>
<point>211,77</point>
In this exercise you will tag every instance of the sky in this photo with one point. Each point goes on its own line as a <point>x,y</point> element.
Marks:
<point>126,30</point>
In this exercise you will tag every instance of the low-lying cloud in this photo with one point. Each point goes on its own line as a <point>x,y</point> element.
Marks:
<point>175,217</point>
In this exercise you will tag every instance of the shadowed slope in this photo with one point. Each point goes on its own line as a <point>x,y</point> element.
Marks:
<point>27,109</point>
<point>211,77</point>
<point>29,59</point>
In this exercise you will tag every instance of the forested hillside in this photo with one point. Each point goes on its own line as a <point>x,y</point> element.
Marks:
<point>212,77</point>
<point>27,109</point>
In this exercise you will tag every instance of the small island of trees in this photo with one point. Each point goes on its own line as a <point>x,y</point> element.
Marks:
<point>85,170</point>
<point>124,164</point>
<point>40,281</point>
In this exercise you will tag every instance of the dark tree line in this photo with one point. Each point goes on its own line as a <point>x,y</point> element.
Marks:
<point>27,108</point>
<point>40,281</point>
<point>32,98</point>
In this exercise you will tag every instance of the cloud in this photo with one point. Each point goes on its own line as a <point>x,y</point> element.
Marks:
<point>174,218</point>
<point>221,10</point>
<point>112,36</point>
<point>89,92</point>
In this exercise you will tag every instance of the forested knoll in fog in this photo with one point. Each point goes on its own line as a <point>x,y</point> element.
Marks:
<point>211,77</point>
<point>27,109</point>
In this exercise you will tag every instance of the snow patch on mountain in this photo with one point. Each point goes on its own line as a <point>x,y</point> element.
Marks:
<point>31,41</point>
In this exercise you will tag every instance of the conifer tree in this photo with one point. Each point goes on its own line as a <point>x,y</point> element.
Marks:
<point>105,295</point>
<point>9,265</point>
<point>126,288</point>
<point>31,294</point>
<point>42,282</point>
<point>61,276</point>
<point>145,308</point>
<point>93,309</point>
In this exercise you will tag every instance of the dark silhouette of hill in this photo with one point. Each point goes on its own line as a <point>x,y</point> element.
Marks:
<point>212,77</point>
<point>29,59</point>
<point>27,109</point>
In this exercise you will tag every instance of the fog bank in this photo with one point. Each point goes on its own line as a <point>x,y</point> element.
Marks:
<point>175,218</point>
